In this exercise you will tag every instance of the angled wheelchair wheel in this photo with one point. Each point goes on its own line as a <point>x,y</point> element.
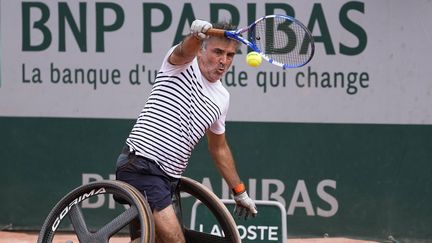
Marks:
<point>69,208</point>
<point>215,206</point>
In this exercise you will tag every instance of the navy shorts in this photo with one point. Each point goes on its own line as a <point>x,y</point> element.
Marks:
<point>145,175</point>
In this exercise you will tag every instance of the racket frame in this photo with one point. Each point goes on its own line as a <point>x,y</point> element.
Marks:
<point>236,35</point>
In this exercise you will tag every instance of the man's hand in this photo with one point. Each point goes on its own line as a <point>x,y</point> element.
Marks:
<point>199,28</point>
<point>244,205</point>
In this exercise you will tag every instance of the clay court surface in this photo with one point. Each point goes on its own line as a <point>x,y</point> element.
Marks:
<point>31,237</point>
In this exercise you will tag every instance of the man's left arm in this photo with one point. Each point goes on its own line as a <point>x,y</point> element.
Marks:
<point>221,154</point>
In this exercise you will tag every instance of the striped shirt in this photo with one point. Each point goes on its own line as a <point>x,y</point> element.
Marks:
<point>182,105</point>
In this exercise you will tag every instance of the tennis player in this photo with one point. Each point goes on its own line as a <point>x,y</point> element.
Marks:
<point>187,102</point>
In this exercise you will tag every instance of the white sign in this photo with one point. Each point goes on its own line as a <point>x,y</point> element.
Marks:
<point>99,59</point>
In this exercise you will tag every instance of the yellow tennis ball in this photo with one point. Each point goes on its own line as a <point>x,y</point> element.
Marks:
<point>253,59</point>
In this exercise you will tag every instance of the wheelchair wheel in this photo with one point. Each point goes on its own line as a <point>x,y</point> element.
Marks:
<point>69,206</point>
<point>215,206</point>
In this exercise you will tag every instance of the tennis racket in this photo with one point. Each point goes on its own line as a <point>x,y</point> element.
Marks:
<point>279,39</point>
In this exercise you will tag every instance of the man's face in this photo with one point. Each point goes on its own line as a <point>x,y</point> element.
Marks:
<point>216,57</point>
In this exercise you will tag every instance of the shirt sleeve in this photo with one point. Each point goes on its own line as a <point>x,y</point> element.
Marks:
<point>218,127</point>
<point>165,64</point>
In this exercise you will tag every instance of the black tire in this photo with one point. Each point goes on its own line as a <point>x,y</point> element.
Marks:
<point>218,209</point>
<point>69,205</point>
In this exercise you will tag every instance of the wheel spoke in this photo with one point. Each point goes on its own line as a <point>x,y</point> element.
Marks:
<point>118,223</point>
<point>78,222</point>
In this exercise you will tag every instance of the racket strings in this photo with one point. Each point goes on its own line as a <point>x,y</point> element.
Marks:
<point>282,40</point>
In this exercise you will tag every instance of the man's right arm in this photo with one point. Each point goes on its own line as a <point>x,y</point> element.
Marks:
<point>186,51</point>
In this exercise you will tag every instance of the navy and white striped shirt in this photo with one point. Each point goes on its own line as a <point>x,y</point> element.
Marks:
<point>181,107</point>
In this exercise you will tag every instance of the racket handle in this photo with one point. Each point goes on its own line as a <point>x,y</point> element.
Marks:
<point>216,32</point>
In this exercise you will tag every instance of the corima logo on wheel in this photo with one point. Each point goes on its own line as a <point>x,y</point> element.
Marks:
<point>77,200</point>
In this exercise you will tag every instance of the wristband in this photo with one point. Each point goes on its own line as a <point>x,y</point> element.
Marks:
<point>239,189</point>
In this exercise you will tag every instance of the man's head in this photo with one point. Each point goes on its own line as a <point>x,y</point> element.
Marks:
<point>216,54</point>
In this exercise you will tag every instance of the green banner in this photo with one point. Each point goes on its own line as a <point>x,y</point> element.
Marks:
<point>365,181</point>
